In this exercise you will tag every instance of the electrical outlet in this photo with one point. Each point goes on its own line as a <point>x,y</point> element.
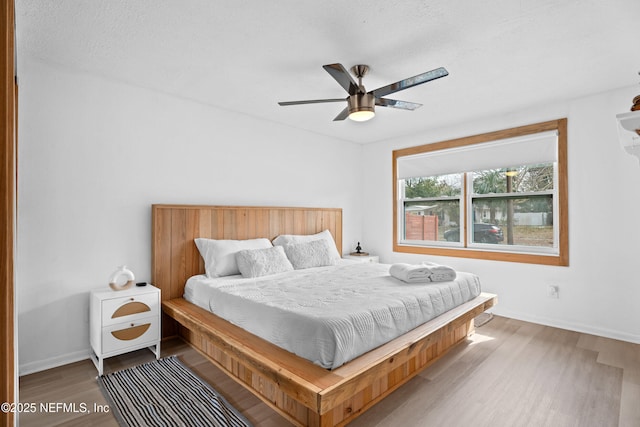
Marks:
<point>553,291</point>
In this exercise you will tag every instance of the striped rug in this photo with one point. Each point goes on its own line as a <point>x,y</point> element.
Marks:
<point>166,393</point>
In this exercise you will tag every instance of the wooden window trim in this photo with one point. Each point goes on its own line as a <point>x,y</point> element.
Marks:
<point>561,259</point>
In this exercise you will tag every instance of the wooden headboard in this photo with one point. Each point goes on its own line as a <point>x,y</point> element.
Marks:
<point>175,257</point>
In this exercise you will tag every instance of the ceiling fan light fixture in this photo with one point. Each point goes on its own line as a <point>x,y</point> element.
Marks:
<point>362,115</point>
<point>361,107</point>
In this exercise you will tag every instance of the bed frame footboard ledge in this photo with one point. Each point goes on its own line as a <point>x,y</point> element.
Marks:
<point>307,394</point>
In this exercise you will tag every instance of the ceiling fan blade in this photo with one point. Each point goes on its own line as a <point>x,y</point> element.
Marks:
<point>312,101</point>
<point>410,82</point>
<point>343,115</point>
<point>343,77</point>
<point>393,103</point>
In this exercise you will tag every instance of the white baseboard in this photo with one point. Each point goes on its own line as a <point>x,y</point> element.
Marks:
<point>54,362</point>
<point>576,327</point>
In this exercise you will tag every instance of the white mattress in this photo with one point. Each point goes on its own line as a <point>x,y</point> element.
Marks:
<point>329,315</point>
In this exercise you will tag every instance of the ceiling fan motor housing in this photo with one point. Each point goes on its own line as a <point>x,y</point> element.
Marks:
<point>361,102</point>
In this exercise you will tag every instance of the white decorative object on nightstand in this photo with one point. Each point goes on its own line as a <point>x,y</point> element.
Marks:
<point>124,321</point>
<point>363,258</point>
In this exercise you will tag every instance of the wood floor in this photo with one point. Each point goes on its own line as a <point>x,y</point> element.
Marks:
<point>510,373</point>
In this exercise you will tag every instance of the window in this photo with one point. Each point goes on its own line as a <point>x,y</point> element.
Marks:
<point>498,196</point>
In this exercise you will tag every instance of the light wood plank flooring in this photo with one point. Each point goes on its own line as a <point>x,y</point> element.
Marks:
<point>510,373</point>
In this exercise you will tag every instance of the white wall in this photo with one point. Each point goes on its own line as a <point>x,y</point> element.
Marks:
<point>600,290</point>
<point>95,154</point>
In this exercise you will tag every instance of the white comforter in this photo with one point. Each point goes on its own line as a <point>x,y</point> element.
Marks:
<point>329,315</point>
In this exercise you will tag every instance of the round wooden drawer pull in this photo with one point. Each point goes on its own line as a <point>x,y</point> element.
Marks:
<point>131,333</point>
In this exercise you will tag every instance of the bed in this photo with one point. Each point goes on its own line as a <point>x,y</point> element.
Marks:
<point>303,392</point>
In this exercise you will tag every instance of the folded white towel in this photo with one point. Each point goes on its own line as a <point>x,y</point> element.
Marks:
<point>440,273</point>
<point>422,273</point>
<point>410,273</point>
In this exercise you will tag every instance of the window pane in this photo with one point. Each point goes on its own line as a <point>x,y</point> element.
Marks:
<point>524,221</point>
<point>517,179</point>
<point>432,221</point>
<point>433,186</point>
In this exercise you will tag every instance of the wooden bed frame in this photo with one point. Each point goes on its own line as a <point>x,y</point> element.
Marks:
<point>301,391</point>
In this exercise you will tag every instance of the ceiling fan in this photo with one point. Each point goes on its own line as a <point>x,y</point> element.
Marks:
<point>361,104</point>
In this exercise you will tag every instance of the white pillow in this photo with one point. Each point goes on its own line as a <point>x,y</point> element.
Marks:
<point>316,253</point>
<point>220,255</point>
<point>262,262</point>
<point>288,239</point>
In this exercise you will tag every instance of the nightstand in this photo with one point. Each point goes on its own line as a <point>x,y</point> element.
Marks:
<point>363,258</point>
<point>123,321</point>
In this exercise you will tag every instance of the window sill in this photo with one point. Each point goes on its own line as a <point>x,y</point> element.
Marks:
<point>527,258</point>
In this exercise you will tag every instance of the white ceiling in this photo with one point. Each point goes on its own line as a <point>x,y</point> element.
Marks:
<point>246,55</point>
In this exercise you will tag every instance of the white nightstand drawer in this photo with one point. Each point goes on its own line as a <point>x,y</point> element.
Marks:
<point>127,308</point>
<point>121,336</point>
